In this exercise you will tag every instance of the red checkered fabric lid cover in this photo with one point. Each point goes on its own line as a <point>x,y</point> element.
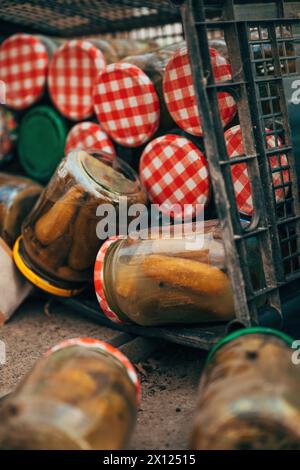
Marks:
<point>179,91</point>
<point>174,171</point>
<point>126,104</point>
<point>23,69</point>
<point>89,135</point>
<point>235,148</point>
<point>72,75</point>
<point>99,281</point>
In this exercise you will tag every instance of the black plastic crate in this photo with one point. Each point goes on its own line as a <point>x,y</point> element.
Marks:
<point>261,39</point>
<point>69,18</point>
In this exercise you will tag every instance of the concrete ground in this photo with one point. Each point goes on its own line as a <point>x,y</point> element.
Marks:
<point>169,377</point>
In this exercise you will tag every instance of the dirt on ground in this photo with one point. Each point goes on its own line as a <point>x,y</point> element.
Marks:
<point>169,378</point>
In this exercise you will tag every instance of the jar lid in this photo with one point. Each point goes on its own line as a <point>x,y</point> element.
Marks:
<point>41,142</point>
<point>102,347</point>
<point>180,96</point>
<point>23,69</point>
<point>72,74</point>
<point>36,279</point>
<point>89,135</point>
<point>126,104</point>
<point>174,171</point>
<point>249,331</point>
<point>242,186</point>
<point>99,280</point>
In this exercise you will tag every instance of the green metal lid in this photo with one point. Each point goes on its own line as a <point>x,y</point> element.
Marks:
<point>249,331</point>
<point>41,142</point>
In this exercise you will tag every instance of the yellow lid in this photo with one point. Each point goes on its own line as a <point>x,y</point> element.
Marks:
<point>37,280</point>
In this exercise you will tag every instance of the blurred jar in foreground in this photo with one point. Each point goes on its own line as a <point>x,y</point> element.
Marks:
<point>128,98</point>
<point>81,395</point>
<point>8,134</point>
<point>180,278</point>
<point>41,142</point>
<point>24,60</point>
<point>17,197</point>
<point>59,242</point>
<point>249,395</point>
<point>89,135</point>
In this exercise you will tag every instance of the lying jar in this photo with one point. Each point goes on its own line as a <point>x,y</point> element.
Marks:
<point>41,142</point>
<point>17,197</point>
<point>24,62</point>
<point>249,397</point>
<point>95,409</point>
<point>128,98</point>
<point>159,281</point>
<point>59,242</point>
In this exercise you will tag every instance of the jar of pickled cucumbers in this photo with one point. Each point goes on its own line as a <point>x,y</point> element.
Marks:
<point>59,241</point>
<point>82,395</point>
<point>249,396</point>
<point>17,197</point>
<point>160,280</point>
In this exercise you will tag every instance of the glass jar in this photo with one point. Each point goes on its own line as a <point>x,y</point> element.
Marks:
<point>179,92</point>
<point>128,98</point>
<point>172,280</point>
<point>249,395</point>
<point>24,61</point>
<point>72,73</point>
<point>59,242</point>
<point>81,395</point>
<point>42,137</point>
<point>127,46</point>
<point>17,197</point>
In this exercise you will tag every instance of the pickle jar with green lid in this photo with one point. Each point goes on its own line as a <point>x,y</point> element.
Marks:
<point>166,279</point>
<point>59,241</point>
<point>17,197</point>
<point>249,396</point>
<point>41,142</point>
<point>82,395</point>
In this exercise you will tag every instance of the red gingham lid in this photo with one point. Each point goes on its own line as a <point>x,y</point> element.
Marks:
<point>105,347</point>
<point>72,74</point>
<point>89,135</point>
<point>23,68</point>
<point>235,148</point>
<point>126,104</point>
<point>174,171</point>
<point>98,281</point>
<point>179,91</point>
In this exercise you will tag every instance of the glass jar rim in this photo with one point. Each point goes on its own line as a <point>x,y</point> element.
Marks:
<point>248,331</point>
<point>115,164</point>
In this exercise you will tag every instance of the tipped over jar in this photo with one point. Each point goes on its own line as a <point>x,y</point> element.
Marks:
<point>59,241</point>
<point>170,280</point>
<point>82,395</point>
